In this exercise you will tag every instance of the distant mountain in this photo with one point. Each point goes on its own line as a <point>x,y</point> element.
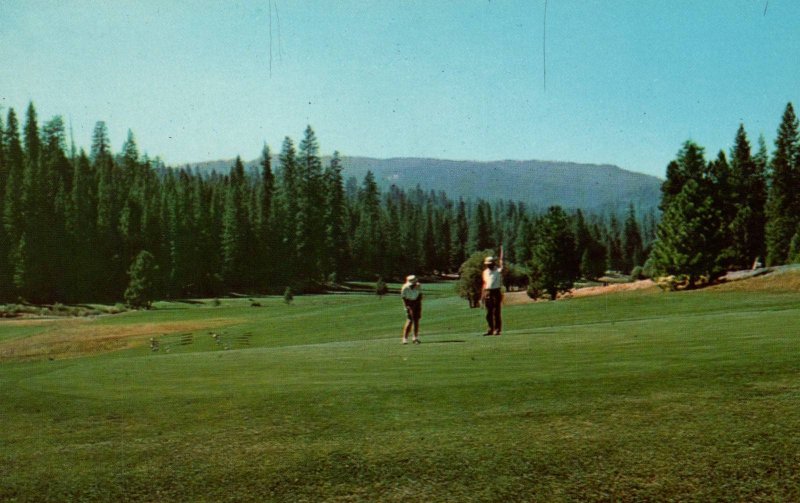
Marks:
<point>536,183</point>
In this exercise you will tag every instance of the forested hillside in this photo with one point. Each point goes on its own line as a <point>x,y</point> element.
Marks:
<point>539,184</point>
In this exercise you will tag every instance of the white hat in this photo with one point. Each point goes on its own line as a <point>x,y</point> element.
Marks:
<point>411,279</point>
<point>488,260</point>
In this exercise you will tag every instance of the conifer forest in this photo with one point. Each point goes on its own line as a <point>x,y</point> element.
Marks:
<point>82,226</point>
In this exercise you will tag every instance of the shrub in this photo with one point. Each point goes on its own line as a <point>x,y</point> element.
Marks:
<point>288,296</point>
<point>470,280</point>
<point>381,288</point>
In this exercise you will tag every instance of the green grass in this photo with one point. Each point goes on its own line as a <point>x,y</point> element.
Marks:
<point>644,396</point>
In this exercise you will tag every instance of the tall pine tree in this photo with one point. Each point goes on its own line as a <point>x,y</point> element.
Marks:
<point>783,203</point>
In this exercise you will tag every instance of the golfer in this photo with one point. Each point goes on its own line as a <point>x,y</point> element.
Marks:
<point>493,293</point>
<point>411,293</point>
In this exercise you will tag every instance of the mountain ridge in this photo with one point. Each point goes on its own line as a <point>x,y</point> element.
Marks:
<point>534,182</point>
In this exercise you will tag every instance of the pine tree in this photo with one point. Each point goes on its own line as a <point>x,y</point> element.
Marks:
<point>285,210</point>
<point>110,274</point>
<point>554,262</point>
<point>56,173</point>
<point>689,236</point>
<point>30,265</point>
<point>264,231</point>
<point>12,204</point>
<point>80,223</point>
<point>783,203</point>
<point>594,259</point>
<point>480,232</point>
<point>459,237</point>
<point>367,234</point>
<point>233,228</point>
<point>615,260</point>
<point>309,231</point>
<point>632,246</point>
<point>526,236</point>
<point>748,190</point>
<point>141,288</point>
<point>336,243</point>
<point>6,289</point>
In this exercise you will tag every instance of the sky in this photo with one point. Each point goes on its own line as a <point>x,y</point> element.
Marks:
<point>622,82</point>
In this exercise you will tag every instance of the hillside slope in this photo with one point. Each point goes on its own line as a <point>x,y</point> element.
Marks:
<point>537,183</point>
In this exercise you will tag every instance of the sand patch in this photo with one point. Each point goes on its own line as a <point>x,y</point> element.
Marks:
<point>613,288</point>
<point>80,337</point>
<point>521,297</point>
<point>780,279</point>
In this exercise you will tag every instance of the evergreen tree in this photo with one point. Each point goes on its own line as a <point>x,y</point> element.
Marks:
<point>367,235</point>
<point>311,198</point>
<point>81,221</point>
<point>30,265</point>
<point>689,241</point>
<point>12,204</point>
<point>285,210</point>
<point>428,243</point>
<point>110,274</point>
<point>459,237</point>
<point>554,262</point>
<point>615,260</point>
<point>56,173</point>
<point>480,232</point>
<point>632,245</point>
<point>336,242</point>
<point>749,191</point>
<point>141,288</point>
<point>523,246</point>
<point>264,231</point>
<point>783,203</point>
<point>233,228</point>
<point>6,289</point>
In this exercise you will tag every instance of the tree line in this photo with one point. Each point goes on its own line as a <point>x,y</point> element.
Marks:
<point>80,227</point>
<point>732,212</point>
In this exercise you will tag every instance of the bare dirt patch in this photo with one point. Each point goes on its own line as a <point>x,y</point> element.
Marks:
<point>515,298</point>
<point>643,284</point>
<point>81,337</point>
<point>779,279</point>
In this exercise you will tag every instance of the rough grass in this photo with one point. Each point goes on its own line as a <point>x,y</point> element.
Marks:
<point>58,339</point>
<point>689,396</point>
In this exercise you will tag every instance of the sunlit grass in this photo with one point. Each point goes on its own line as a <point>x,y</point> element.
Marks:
<point>689,396</point>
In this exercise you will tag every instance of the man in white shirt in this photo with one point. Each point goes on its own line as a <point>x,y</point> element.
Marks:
<point>493,293</point>
<point>411,293</point>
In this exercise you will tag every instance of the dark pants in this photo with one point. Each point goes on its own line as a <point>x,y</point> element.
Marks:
<point>494,299</point>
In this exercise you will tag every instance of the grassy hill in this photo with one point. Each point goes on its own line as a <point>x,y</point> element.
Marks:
<point>637,396</point>
<point>537,183</point>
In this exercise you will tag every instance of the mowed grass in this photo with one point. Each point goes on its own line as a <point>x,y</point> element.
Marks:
<point>641,396</point>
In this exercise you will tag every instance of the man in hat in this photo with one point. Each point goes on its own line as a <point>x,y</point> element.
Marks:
<point>411,293</point>
<point>493,292</point>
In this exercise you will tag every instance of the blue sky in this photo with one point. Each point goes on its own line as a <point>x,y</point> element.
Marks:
<point>627,81</point>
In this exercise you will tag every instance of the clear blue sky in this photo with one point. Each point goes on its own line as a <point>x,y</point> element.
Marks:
<point>627,81</point>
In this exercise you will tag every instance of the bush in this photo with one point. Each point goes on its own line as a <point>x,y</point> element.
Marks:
<point>381,288</point>
<point>637,273</point>
<point>470,281</point>
<point>288,296</point>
